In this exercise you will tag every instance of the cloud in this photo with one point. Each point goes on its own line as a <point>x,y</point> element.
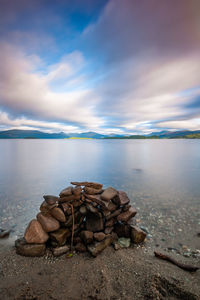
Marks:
<point>134,69</point>
<point>27,92</point>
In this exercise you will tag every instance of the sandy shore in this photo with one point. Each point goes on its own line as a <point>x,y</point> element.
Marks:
<point>132,273</point>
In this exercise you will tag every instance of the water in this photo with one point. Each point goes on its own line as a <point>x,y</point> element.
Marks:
<point>156,173</point>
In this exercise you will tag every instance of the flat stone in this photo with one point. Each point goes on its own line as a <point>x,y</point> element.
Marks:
<point>25,249</point>
<point>50,199</point>
<point>108,230</point>
<point>99,236</point>
<point>109,194</point>
<point>66,192</point>
<point>60,236</point>
<point>69,198</point>
<point>48,223</point>
<point>45,207</point>
<point>137,235</point>
<point>35,234</point>
<point>80,247</point>
<point>94,222</point>
<point>110,222</point>
<point>111,206</point>
<point>4,233</point>
<point>125,216</point>
<point>58,214</point>
<point>91,208</point>
<point>87,236</point>
<point>123,230</point>
<point>94,185</point>
<point>77,190</point>
<point>124,242</point>
<point>66,208</point>
<point>92,191</point>
<point>114,214</point>
<point>58,251</point>
<point>98,200</point>
<point>96,248</point>
<point>122,198</point>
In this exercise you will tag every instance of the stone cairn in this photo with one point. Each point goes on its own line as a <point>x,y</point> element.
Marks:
<point>83,218</point>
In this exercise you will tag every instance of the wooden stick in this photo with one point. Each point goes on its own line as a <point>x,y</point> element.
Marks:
<point>173,261</point>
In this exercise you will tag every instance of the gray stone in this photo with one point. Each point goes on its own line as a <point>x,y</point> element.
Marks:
<point>25,249</point>
<point>124,242</point>
<point>109,194</point>
<point>4,233</point>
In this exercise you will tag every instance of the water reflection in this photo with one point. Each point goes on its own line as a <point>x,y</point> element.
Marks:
<point>148,169</point>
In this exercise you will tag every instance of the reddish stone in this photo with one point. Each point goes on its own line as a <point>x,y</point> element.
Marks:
<point>92,191</point>
<point>48,223</point>
<point>137,235</point>
<point>121,199</point>
<point>77,190</point>
<point>66,192</point>
<point>87,236</point>
<point>58,214</point>
<point>89,184</point>
<point>109,229</point>
<point>98,200</point>
<point>125,216</point>
<point>35,234</point>
<point>99,236</point>
<point>109,194</point>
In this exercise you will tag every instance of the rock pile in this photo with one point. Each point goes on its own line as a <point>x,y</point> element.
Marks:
<point>83,218</point>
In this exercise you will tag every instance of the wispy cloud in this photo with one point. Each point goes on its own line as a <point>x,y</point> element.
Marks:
<point>134,68</point>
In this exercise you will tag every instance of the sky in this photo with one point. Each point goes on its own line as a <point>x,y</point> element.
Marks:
<point>109,66</point>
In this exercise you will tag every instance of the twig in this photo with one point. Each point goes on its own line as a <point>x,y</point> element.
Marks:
<point>72,238</point>
<point>173,261</point>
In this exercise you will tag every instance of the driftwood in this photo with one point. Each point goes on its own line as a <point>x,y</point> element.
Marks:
<point>173,261</point>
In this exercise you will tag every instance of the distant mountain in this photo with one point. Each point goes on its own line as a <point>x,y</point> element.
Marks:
<point>35,134</point>
<point>30,134</point>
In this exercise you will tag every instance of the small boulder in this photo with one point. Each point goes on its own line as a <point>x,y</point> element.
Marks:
<point>51,200</point>
<point>124,242</point>
<point>77,190</point>
<point>94,222</point>
<point>99,236</point>
<point>109,194</point>
<point>92,191</point>
<point>94,185</point>
<point>4,233</point>
<point>59,237</point>
<point>80,247</point>
<point>137,235</point>
<point>125,216</point>
<point>48,222</point>
<point>87,236</point>
<point>109,229</point>
<point>123,230</point>
<point>25,249</point>
<point>98,247</point>
<point>58,214</point>
<point>35,234</point>
<point>60,250</point>
<point>66,192</point>
<point>121,199</point>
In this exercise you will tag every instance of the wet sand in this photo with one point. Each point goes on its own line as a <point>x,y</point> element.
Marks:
<point>132,273</point>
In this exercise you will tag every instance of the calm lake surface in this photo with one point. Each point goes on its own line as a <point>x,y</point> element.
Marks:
<point>157,174</point>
